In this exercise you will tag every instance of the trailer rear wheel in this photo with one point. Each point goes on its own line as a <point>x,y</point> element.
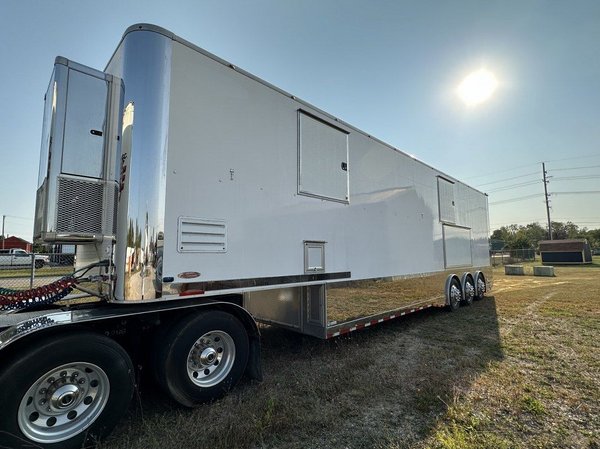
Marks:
<point>454,295</point>
<point>65,393</point>
<point>468,291</point>
<point>481,287</point>
<point>202,357</point>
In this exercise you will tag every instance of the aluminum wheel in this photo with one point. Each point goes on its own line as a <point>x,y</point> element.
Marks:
<point>481,288</point>
<point>211,358</point>
<point>63,402</point>
<point>455,295</point>
<point>469,292</point>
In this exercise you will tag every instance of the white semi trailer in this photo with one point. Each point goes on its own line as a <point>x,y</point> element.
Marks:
<point>202,200</point>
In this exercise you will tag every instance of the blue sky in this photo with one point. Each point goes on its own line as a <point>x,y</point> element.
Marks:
<point>389,68</point>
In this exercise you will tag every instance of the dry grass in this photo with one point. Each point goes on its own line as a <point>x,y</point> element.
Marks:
<point>517,370</point>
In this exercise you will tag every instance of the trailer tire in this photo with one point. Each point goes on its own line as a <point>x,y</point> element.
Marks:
<point>454,294</point>
<point>67,392</point>
<point>480,286</point>
<point>202,357</point>
<point>468,290</point>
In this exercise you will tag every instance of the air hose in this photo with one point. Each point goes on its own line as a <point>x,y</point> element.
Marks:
<point>44,295</point>
<point>11,300</point>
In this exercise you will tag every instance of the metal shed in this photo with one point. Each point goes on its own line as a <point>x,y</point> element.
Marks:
<point>576,251</point>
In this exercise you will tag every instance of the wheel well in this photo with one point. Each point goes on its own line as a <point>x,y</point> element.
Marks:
<point>449,280</point>
<point>132,332</point>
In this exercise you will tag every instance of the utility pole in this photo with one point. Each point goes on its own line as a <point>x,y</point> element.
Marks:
<point>547,199</point>
<point>3,218</point>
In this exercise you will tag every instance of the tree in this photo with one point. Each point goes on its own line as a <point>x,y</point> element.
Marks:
<point>517,237</point>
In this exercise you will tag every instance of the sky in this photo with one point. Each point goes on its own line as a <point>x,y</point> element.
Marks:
<point>390,68</point>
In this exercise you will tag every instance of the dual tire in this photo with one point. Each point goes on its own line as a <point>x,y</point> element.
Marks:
<point>72,389</point>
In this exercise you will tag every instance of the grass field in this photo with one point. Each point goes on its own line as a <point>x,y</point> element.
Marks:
<point>520,369</point>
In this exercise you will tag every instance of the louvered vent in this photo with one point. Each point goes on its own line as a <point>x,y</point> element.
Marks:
<point>197,235</point>
<point>79,207</point>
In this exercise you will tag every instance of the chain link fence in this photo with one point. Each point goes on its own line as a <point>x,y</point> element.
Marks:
<point>23,271</point>
<point>510,256</point>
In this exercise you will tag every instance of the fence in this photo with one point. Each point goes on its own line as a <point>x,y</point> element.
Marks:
<point>25,271</point>
<point>509,256</point>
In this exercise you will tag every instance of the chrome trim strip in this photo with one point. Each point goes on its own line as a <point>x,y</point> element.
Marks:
<point>264,282</point>
<point>36,321</point>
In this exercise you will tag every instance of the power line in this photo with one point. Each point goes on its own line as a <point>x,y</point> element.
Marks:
<point>506,179</point>
<point>512,200</point>
<point>19,218</point>
<point>580,192</point>
<point>584,156</point>
<point>575,168</point>
<point>570,178</point>
<point>514,186</point>
<point>570,158</point>
<point>501,171</point>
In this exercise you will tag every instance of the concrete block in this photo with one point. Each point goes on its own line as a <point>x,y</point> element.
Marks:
<point>517,270</point>
<point>543,271</point>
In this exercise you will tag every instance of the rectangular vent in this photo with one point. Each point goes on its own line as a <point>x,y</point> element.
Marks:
<point>79,206</point>
<point>197,235</point>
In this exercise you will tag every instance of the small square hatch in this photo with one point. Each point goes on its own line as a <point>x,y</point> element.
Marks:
<point>314,257</point>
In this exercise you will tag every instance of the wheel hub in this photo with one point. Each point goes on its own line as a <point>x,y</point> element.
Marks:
<point>208,356</point>
<point>211,358</point>
<point>455,294</point>
<point>65,397</point>
<point>63,402</point>
<point>469,291</point>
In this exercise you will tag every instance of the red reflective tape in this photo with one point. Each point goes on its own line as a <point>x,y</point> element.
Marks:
<point>191,292</point>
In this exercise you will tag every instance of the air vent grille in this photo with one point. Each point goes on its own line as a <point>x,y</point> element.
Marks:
<point>79,207</point>
<point>198,235</point>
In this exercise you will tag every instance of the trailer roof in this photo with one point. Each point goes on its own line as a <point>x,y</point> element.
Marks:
<point>173,36</point>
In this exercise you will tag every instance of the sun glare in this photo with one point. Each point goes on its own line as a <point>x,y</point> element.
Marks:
<point>477,87</point>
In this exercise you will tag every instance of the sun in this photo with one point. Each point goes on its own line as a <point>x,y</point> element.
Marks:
<point>477,87</point>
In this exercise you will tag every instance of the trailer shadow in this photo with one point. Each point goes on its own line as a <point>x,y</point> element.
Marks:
<point>387,386</point>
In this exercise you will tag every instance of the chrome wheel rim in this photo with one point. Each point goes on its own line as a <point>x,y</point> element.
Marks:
<point>469,292</point>
<point>480,288</point>
<point>211,358</point>
<point>455,295</point>
<point>63,402</point>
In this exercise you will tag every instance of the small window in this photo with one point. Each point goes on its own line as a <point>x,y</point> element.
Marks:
<point>323,159</point>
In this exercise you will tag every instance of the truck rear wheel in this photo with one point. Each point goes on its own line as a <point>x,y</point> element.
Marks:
<point>68,392</point>
<point>202,357</point>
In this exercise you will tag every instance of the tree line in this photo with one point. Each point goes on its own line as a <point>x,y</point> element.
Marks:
<point>527,236</point>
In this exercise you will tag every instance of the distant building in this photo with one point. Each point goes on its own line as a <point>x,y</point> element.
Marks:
<point>556,252</point>
<point>15,242</point>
